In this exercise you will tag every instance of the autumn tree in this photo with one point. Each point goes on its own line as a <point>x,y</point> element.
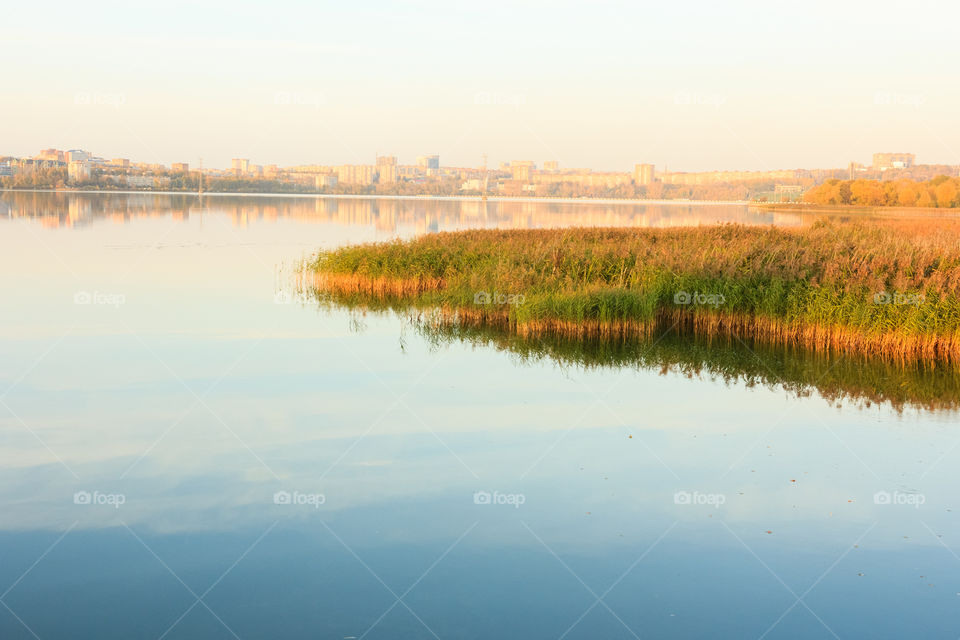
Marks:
<point>946,193</point>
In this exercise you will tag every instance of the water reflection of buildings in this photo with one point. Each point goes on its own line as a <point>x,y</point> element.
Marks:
<point>388,215</point>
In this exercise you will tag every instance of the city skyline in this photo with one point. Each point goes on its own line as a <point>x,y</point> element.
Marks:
<point>737,87</point>
<point>243,164</point>
<point>82,169</point>
<point>414,157</point>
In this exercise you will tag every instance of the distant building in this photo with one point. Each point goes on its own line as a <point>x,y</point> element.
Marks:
<point>581,178</point>
<point>387,169</point>
<point>522,169</point>
<point>551,165</point>
<point>718,177</point>
<point>120,163</point>
<point>77,155</point>
<point>356,174</point>
<point>322,181</point>
<point>78,171</point>
<point>240,166</point>
<point>884,161</point>
<point>180,167</point>
<point>787,192</point>
<point>643,174</point>
<point>54,155</point>
<point>140,181</point>
<point>428,162</point>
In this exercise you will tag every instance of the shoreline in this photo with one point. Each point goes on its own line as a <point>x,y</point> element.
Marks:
<point>801,207</point>
<point>373,196</point>
<point>787,207</point>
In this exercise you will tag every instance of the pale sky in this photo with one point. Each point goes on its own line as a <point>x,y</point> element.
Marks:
<point>688,86</point>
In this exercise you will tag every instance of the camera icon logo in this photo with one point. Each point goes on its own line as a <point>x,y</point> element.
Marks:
<point>881,297</point>
<point>481,297</point>
<point>82,297</point>
<point>281,497</point>
<point>81,497</point>
<point>682,297</point>
<point>482,497</point>
<point>881,497</point>
<point>682,497</point>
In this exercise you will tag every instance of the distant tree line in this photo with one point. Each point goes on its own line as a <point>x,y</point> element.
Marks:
<point>941,191</point>
<point>47,178</point>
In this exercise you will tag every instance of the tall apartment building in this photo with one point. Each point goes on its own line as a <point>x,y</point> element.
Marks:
<point>643,174</point>
<point>428,162</point>
<point>240,166</point>
<point>180,167</point>
<point>522,169</point>
<point>78,171</point>
<point>387,169</point>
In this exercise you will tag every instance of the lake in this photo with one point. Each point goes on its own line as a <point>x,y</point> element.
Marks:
<point>193,448</point>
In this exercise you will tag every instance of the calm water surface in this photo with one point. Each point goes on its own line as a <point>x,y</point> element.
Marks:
<point>188,451</point>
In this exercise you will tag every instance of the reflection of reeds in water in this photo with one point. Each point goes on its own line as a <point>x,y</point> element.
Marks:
<point>832,287</point>
<point>839,378</point>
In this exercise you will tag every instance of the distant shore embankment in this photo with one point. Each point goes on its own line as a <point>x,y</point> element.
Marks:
<point>382,196</point>
<point>860,210</point>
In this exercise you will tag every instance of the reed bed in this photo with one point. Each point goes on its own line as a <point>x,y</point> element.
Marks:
<point>884,287</point>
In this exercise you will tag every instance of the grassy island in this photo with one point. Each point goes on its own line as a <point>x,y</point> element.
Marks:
<point>880,287</point>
